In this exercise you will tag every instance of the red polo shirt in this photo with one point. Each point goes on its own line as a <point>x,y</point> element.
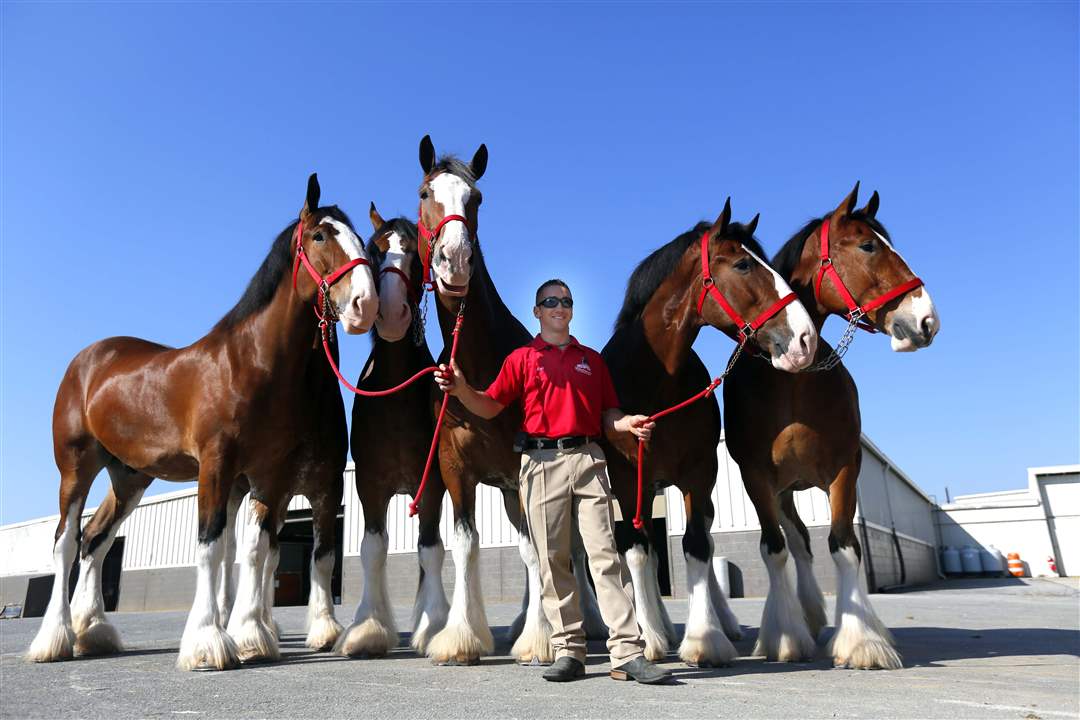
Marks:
<point>563,392</point>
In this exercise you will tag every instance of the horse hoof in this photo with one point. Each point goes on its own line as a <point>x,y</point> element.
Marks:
<point>460,661</point>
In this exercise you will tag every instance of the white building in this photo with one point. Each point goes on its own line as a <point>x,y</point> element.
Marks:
<point>151,566</point>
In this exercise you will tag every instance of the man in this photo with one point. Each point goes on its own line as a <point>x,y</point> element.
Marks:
<point>568,398</point>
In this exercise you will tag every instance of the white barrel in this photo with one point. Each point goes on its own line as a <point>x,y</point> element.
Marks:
<point>720,567</point>
<point>950,561</point>
<point>993,563</point>
<point>969,559</point>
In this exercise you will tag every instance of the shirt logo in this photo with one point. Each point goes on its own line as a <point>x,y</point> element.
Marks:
<point>583,367</point>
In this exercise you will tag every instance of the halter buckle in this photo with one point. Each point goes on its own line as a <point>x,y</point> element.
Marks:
<point>747,331</point>
<point>707,282</point>
<point>826,261</point>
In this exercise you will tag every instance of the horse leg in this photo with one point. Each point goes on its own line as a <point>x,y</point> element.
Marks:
<point>268,572</point>
<point>705,643</point>
<point>226,589</point>
<point>466,636</point>
<point>79,462</point>
<point>205,644</point>
<point>373,632</point>
<point>95,635</point>
<point>657,630</point>
<point>323,629</point>
<point>798,539</point>
<point>531,629</point>
<point>431,608</point>
<point>861,640</point>
<point>784,635</point>
<point>248,626</point>
<point>594,625</point>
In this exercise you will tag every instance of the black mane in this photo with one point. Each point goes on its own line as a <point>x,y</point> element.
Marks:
<point>278,262</point>
<point>455,166</point>
<point>787,259</point>
<point>652,271</point>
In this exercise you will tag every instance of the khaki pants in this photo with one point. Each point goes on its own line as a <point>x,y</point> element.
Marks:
<point>556,486</point>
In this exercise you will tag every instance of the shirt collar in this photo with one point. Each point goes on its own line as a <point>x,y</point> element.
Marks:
<point>539,343</point>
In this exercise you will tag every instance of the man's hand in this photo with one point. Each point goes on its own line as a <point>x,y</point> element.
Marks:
<point>640,426</point>
<point>450,379</point>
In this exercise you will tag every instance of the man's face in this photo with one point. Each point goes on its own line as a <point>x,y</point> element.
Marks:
<point>556,319</point>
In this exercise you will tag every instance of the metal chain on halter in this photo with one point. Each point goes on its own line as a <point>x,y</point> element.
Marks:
<point>836,354</point>
<point>420,326</point>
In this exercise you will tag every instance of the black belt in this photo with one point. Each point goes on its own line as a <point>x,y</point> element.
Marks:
<point>563,443</point>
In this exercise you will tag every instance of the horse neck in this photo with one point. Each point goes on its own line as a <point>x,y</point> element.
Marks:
<point>802,279</point>
<point>670,322</point>
<point>488,332</point>
<point>278,339</point>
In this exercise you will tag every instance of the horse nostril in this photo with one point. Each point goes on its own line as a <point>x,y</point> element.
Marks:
<point>804,343</point>
<point>927,326</point>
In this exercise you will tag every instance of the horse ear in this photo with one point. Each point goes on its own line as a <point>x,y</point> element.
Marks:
<point>479,162</point>
<point>872,205</point>
<point>376,219</point>
<point>427,154</point>
<point>752,225</point>
<point>311,203</point>
<point>847,206</point>
<point>721,224</point>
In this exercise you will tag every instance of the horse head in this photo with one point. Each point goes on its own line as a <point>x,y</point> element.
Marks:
<point>743,296</point>
<point>393,248</point>
<point>449,204</point>
<point>869,275</point>
<point>326,244</point>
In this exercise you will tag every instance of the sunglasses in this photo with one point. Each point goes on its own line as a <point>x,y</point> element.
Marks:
<point>552,301</point>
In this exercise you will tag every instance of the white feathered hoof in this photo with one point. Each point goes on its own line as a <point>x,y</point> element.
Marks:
<point>54,641</point>
<point>209,648</point>
<point>533,645</point>
<point>255,642</point>
<point>794,645</point>
<point>323,633</point>
<point>710,649</point>
<point>367,639</point>
<point>863,650</point>
<point>459,644</point>
<point>99,638</point>
<point>516,627</point>
<point>422,635</point>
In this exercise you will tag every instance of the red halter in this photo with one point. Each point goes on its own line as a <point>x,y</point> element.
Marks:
<point>856,312</point>
<point>405,279</point>
<point>708,287</point>
<point>324,309</point>
<point>432,237</point>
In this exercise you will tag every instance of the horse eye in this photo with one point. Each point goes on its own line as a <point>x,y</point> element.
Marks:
<point>423,194</point>
<point>867,247</point>
<point>743,266</point>
<point>318,237</point>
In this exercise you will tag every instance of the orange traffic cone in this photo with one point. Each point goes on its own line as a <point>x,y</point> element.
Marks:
<point>1016,568</point>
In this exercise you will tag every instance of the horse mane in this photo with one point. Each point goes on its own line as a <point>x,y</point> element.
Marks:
<point>455,166</point>
<point>787,258</point>
<point>407,229</point>
<point>655,268</point>
<point>262,286</point>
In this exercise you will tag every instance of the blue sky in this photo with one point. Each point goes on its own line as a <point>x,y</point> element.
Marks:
<point>150,152</point>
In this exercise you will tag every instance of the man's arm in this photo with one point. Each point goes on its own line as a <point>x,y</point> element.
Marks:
<point>615,420</point>
<point>451,380</point>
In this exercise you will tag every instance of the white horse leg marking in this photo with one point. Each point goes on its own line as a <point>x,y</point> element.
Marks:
<point>205,644</point>
<point>656,628</point>
<point>323,629</point>
<point>728,621</point>
<point>861,640</point>
<point>466,636</point>
<point>55,640</point>
<point>534,642</point>
<point>372,633</point>
<point>95,634</point>
<point>431,608</point>
<point>783,635</point>
<point>226,589</point>
<point>705,643</point>
<point>810,597</point>
<point>255,640</point>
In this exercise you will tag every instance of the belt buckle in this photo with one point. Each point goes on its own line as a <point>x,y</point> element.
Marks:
<point>559,443</point>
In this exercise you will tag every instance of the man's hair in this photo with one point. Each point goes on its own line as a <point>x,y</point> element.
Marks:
<point>549,283</point>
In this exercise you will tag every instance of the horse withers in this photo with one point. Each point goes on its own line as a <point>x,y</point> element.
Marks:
<point>669,299</point>
<point>234,406</point>
<point>793,432</point>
